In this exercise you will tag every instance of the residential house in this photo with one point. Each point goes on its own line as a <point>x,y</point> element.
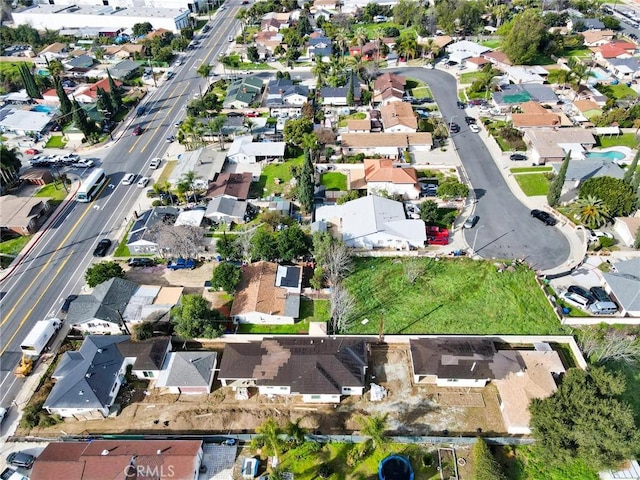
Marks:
<point>243,92</point>
<point>553,145</point>
<point>623,283</point>
<point>319,369</point>
<point>337,96</point>
<point>319,46</point>
<point>22,215</point>
<point>581,24</point>
<point>151,303</point>
<point>88,380</point>
<point>267,41</point>
<point>80,64</point>
<point>124,51</point>
<point>245,150</point>
<point>368,51</point>
<point>512,94</point>
<point>22,121</point>
<point>597,38</point>
<point>33,176</point>
<point>146,357</point>
<point>274,21</point>
<point>234,185</point>
<point>586,110</point>
<point>89,93</point>
<point>119,459</point>
<point>388,88</point>
<point>374,222</point>
<point>627,229</point>
<point>464,49</point>
<point>535,115</point>
<point>328,6</point>
<point>268,294</point>
<point>190,218</point>
<point>498,59</point>
<point>580,170</point>
<point>226,209</point>
<point>55,51</point>
<point>188,373</point>
<point>625,69</point>
<point>390,145</point>
<point>398,117</point>
<point>383,175</point>
<point>614,49</point>
<point>141,236</point>
<point>125,69</point>
<point>100,312</point>
<point>284,97</point>
<point>530,74</point>
<point>359,126</point>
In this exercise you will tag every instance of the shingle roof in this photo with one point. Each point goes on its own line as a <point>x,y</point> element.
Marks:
<point>232,184</point>
<point>586,105</point>
<point>189,369</point>
<point>498,56</point>
<point>389,80</point>
<point>307,365</point>
<point>625,283</point>
<point>398,113</point>
<point>225,205</point>
<point>580,170</point>
<point>148,219</point>
<point>149,354</point>
<point>104,303</point>
<point>354,124</point>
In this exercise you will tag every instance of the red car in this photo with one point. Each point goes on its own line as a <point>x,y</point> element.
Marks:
<point>32,151</point>
<point>137,131</point>
<point>251,114</point>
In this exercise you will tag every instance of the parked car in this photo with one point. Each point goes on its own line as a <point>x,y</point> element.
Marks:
<point>470,120</point>
<point>230,39</point>
<point>596,235</point>
<point>67,303</point>
<point>83,163</point>
<point>171,139</point>
<point>471,221</point>
<point>454,128</point>
<point>102,248</point>
<point>141,262</point>
<point>178,123</point>
<point>461,105</point>
<point>583,292</point>
<point>68,158</point>
<point>155,163</point>
<point>32,151</point>
<point>137,131</point>
<point>3,414</point>
<point>600,294</point>
<point>474,128</point>
<point>576,300</point>
<point>544,217</point>
<point>21,459</point>
<point>128,179</point>
<point>182,263</point>
<point>143,182</point>
<point>518,157</point>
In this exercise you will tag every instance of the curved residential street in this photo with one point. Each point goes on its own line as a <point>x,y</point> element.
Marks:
<point>505,228</point>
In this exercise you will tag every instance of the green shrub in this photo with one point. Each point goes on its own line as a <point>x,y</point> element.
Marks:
<point>606,242</point>
<point>157,203</point>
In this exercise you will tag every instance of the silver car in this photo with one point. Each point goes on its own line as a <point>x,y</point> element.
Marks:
<point>471,221</point>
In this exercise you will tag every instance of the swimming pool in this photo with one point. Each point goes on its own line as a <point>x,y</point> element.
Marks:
<point>610,155</point>
<point>42,109</point>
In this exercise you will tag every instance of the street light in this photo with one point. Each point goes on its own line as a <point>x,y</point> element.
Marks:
<point>475,238</point>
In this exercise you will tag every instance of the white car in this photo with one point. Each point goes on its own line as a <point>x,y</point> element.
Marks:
<point>129,178</point>
<point>83,163</point>
<point>155,163</point>
<point>3,414</point>
<point>143,182</point>
<point>596,235</point>
<point>474,128</point>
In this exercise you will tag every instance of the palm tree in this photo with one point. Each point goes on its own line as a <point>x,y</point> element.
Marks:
<point>55,67</point>
<point>378,35</point>
<point>249,124</point>
<point>204,70</point>
<point>341,40</point>
<point>295,432</point>
<point>319,70</point>
<point>374,427</point>
<point>560,76</point>
<point>9,167</point>
<point>215,126</point>
<point>408,45</point>
<point>268,438</point>
<point>189,178</point>
<point>360,37</point>
<point>591,211</point>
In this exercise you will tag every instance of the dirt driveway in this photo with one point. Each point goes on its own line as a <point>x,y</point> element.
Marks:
<point>418,410</point>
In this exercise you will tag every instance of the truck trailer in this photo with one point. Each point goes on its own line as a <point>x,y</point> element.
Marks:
<point>39,336</point>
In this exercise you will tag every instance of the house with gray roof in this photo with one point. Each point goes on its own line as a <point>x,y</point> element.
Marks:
<point>318,369</point>
<point>88,380</point>
<point>100,313</point>
<point>286,97</point>
<point>189,373</point>
<point>581,24</point>
<point>243,92</point>
<point>337,96</point>
<point>81,63</point>
<point>513,94</point>
<point>623,284</point>
<point>125,69</point>
<point>319,47</point>
<point>245,150</point>
<point>141,235</point>
<point>579,171</point>
<point>374,222</point>
<point>226,209</point>
<point>625,69</point>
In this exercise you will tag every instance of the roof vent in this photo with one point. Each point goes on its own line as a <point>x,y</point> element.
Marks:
<point>81,392</point>
<point>104,452</point>
<point>158,452</point>
<point>99,350</point>
<point>88,375</point>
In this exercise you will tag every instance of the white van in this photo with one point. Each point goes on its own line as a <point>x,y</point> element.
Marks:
<point>575,300</point>
<point>603,308</point>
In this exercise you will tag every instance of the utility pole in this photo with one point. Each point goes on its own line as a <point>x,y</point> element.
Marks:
<point>381,328</point>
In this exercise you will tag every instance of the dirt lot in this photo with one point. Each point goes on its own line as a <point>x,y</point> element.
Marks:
<point>418,410</point>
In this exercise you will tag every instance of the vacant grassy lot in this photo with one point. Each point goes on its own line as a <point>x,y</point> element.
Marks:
<point>310,311</point>
<point>342,121</point>
<point>334,181</point>
<point>56,141</point>
<point>624,140</point>
<point>450,296</point>
<point>523,463</point>
<point>533,184</point>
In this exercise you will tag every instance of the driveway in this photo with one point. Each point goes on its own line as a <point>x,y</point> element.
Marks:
<point>505,229</point>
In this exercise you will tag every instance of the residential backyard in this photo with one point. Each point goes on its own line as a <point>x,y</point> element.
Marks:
<point>625,140</point>
<point>275,178</point>
<point>334,181</point>
<point>450,296</point>
<point>533,184</point>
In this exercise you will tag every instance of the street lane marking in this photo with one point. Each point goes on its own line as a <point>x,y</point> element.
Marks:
<point>166,114</point>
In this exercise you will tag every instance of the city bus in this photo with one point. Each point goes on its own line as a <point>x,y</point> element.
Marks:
<point>91,185</point>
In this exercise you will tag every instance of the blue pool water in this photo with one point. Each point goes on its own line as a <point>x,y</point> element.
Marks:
<point>599,74</point>
<point>42,109</point>
<point>612,155</point>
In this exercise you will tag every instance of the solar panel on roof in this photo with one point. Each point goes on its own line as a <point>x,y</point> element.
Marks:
<point>291,277</point>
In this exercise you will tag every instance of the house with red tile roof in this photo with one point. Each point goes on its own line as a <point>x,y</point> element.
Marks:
<point>89,93</point>
<point>391,177</point>
<point>614,49</point>
<point>535,115</point>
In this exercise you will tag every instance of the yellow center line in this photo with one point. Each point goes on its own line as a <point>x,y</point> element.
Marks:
<point>44,267</point>
<point>175,104</point>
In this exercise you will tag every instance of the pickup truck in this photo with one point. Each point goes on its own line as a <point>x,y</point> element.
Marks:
<point>181,264</point>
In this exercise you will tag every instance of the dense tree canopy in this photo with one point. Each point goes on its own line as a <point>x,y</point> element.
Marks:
<point>226,276</point>
<point>194,319</point>
<point>525,37</point>
<point>485,466</point>
<point>618,197</point>
<point>295,129</point>
<point>101,272</point>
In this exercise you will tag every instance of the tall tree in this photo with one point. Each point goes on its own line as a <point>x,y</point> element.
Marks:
<point>9,167</point>
<point>65,103</point>
<point>215,126</point>
<point>555,189</point>
<point>29,82</point>
<point>525,37</point>
<point>306,183</point>
<point>101,272</point>
<point>193,318</point>
<point>631,170</point>
<point>617,196</point>
<point>55,67</point>
<point>115,93</point>
<point>374,427</point>
<point>268,438</point>
<point>81,121</point>
<point>351,89</point>
<point>103,102</point>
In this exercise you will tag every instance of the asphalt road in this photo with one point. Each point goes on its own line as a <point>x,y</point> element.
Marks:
<point>55,267</point>
<point>505,228</point>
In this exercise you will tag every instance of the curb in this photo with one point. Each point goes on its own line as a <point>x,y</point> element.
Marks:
<point>33,242</point>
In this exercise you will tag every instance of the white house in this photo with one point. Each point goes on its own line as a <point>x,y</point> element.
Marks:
<point>374,222</point>
<point>626,229</point>
<point>460,51</point>
<point>245,150</point>
<point>382,175</point>
<point>319,369</point>
<point>268,293</point>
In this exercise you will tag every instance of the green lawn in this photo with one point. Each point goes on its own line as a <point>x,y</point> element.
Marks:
<point>54,191</point>
<point>254,66</point>
<point>622,91</point>
<point>533,184</point>
<point>343,119</point>
<point>268,185</point>
<point>420,92</point>
<point>470,77</point>
<point>413,83</point>
<point>493,44</point>
<point>625,140</point>
<point>530,169</point>
<point>334,181</point>
<point>452,296</point>
<point>578,52</point>
<point>56,141</point>
<point>123,250</point>
<point>523,463</point>
<point>310,311</point>
<point>14,246</point>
